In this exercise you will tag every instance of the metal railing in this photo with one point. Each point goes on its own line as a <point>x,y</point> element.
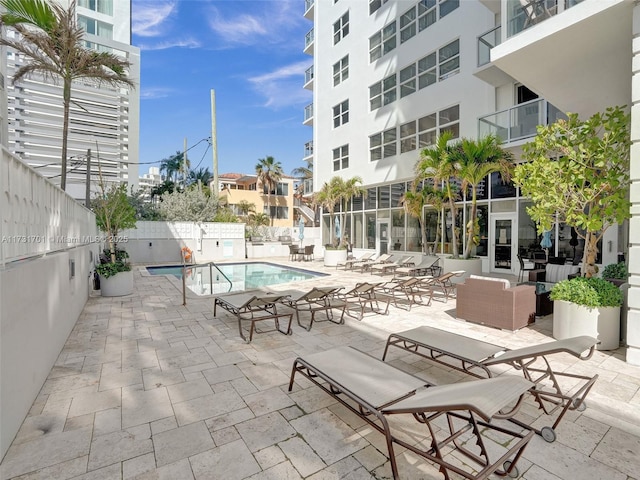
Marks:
<point>199,277</point>
<point>520,121</point>
<point>522,15</point>
<point>486,42</point>
<point>308,39</point>
<point>308,75</point>
<point>308,112</point>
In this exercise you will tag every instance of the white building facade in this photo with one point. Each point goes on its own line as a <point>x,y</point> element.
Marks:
<point>390,76</point>
<point>104,122</point>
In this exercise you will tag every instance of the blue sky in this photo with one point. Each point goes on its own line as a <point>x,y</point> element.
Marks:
<point>250,53</point>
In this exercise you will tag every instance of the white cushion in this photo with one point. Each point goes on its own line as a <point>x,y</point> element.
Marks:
<point>506,282</point>
<point>557,273</point>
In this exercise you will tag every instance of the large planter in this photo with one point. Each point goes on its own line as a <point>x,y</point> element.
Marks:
<point>471,266</point>
<point>572,320</point>
<point>117,285</point>
<point>333,257</point>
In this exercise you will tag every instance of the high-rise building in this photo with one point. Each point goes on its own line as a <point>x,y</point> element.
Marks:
<point>104,120</point>
<point>390,76</point>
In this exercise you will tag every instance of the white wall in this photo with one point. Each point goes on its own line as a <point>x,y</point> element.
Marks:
<point>43,230</point>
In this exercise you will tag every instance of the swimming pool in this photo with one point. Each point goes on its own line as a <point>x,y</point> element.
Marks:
<point>241,276</point>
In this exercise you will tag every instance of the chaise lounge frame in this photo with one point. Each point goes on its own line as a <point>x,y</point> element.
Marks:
<point>318,299</point>
<point>380,390</point>
<point>258,306</point>
<point>474,357</point>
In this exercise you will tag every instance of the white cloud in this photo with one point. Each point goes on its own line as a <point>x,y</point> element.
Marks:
<point>282,87</point>
<point>151,93</point>
<point>148,16</point>
<point>186,43</point>
<point>265,25</point>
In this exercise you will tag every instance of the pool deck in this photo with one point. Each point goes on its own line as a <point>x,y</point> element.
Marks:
<point>146,388</point>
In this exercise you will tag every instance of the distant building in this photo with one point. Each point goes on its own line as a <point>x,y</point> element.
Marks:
<point>148,181</point>
<point>104,120</point>
<point>236,187</point>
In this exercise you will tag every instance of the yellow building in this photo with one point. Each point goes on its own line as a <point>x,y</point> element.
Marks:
<point>236,187</point>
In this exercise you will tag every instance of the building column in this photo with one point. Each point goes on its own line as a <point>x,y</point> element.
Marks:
<point>633,316</point>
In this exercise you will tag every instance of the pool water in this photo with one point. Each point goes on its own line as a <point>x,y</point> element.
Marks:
<point>241,276</point>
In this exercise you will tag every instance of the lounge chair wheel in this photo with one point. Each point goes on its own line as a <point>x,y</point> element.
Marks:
<point>513,473</point>
<point>579,405</point>
<point>548,434</point>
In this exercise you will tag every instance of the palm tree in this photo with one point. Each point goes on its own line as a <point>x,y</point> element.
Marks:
<point>245,207</point>
<point>269,173</point>
<point>346,190</point>
<point>171,166</point>
<point>475,160</point>
<point>202,175</point>
<point>436,163</point>
<point>52,41</point>
<point>327,198</point>
<point>414,202</point>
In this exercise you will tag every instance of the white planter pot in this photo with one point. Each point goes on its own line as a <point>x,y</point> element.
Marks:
<point>117,285</point>
<point>471,266</point>
<point>332,257</point>
<point>572,320</point>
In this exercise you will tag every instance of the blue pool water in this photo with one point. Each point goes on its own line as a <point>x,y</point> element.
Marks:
<point>243,276</point>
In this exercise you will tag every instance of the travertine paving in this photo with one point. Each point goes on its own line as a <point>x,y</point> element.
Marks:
<point>146,388</point>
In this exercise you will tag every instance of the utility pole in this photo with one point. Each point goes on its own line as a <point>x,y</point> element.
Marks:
<point>214,143</point>
<point>87,197</point>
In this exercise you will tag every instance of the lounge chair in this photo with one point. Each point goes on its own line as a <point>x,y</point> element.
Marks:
<point>374,391</point>
<point>390,267</point>
<point>428,266</point>
<point>318,299</point>
<point>474,357</point>
<point>364,294</point>
<point>351,262</point>
<point>382,259</point>
<point>409,291</point>
<point>442,283</point>
<point>253,307</point>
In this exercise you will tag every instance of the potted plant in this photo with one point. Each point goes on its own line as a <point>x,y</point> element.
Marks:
<point>587,306</point>
<point>114,213</point>
<point>616,273</point>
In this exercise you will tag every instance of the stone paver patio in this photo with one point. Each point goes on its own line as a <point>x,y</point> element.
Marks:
<point>146,388</point>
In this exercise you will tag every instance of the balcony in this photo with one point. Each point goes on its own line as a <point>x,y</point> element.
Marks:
<point>578,56</point>
<point>308,149</point>
<point>308,115</point>
<point>308,42</point>
<point>308,9</point>
<point>525,14</point>
<point>308,78</point>
<point>520,121</point>
<point>486,71</point>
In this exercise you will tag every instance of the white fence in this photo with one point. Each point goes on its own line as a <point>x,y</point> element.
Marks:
<point>36,216</point>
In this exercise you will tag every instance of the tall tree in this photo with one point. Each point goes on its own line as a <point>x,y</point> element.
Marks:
<point>52,41</point>
<point>327,198</point>
<point>436,163</point>
<point>202,175</point>
<point>414,202</point>
<point>578,173</point>
<point>345,191</point>
<point>269,173</point>
<point>171,166</point>
<point>474,161</point>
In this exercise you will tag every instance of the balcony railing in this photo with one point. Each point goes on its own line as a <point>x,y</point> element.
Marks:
<point>308,186</point>
<point>308,112</point>
<point>308,39</point>
<point>524,14</point>
<point>486,42</point>
<point>308,149</point>
<point>520,121</point>
<point>308,4</point>
<point>308,75</point>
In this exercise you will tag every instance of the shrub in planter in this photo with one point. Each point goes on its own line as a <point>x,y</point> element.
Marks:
<point>587,306</point>
<point>616,273</point>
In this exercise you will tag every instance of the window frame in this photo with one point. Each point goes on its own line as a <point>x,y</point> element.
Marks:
<point>341,157</point>
<point>340,113</point>
<point>341,28</point>
<point>341,70</point>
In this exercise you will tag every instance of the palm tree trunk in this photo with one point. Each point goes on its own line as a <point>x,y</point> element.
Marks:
<point>454,236</point>
<point>590,254</point>
<point>269,205</point>
<point>471,225</point>
<point>66,100</point>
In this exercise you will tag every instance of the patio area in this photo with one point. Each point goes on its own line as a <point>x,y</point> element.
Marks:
<point>146,388</point>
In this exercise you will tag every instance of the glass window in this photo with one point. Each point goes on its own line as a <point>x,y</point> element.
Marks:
<point>375,147</point>
<point>341,28</point>
<point>407,80</point>
<point>501,188</point>
<point>370,201</point>
<point>341,114</point>
<point>397,230</point>
<point>427,71</point>
<point>413,235</point>
<point>358,230</point>
<point>426,14</point>
<point>408,137</point>
<point>370,218</point>
<point>341,71</point>
<point>384,197</point>
<point>397,192</point>
<point>374,5</point>
<point>448,6</point>
<point>449,59</point>
<point>101,6</point>
<point>389,142</point>
<point>382,42</point>
<point>408,25</point>
<point>341,158</point>
<point>382,93</point>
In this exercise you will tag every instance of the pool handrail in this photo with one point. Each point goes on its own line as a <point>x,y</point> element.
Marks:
<point>211,265</point>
